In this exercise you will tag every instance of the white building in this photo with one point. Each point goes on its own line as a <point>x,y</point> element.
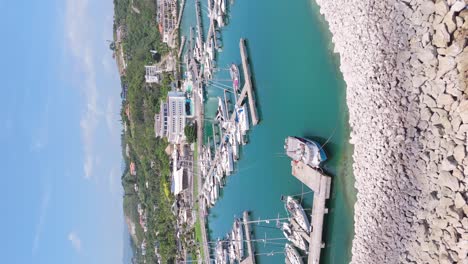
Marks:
<point>170,122</point>
<point>152,74</point>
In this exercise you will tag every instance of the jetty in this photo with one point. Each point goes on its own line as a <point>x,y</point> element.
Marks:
<point>320,185</point>
<point>181,12</point>
<point>199,21</point>
<point>247,90</point>
<point>250,259</point>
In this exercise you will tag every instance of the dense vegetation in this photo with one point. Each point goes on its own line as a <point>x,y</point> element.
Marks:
<point>190,132</point>
<point>138,17</point>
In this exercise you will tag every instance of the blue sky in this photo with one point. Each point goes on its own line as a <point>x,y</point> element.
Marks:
<point>61,200</point>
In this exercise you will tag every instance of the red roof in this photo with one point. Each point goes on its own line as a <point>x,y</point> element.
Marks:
<point>132,168</point>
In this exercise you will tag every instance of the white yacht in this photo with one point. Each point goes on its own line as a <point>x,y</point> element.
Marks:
<point>305,150</point>
<point>293,237</point>
<point>297,213</point>
<point>291,255</point>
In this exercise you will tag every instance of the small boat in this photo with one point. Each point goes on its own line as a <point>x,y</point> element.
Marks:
<point>216,192</point>
<point>235,77</point>
<point>221,114</point>
<point>305,150</point>
<point>212,196</point>
<point>243,119</point>
<point>219,176</point>
<point>227,159</point>
<point>231,248</point>
<point>221,256</point>
<point>291,255</point>
<point>297,213</point>
<point>293,237</point>
<point>223,6</point>
<point>220,20</point>
<point>235,146</point>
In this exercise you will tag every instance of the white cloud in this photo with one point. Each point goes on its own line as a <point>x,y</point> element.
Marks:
<point>88,166</point>
<point>74,240</point>
<point>81,46</point>
<point>38,145</point>
<point>110,114</point>
<point>45,200</point>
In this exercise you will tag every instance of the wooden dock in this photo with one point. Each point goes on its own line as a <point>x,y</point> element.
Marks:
<point>320,185</point>
<point>250,259</point>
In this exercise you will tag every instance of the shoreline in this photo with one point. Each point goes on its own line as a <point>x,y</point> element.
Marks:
<point>408,115</point>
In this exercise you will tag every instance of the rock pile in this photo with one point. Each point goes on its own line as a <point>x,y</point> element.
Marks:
<point>405,63</point>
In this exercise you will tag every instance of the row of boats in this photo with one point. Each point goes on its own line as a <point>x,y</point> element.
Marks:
<point>234,125</point>
<point>217,13</point>
<point>296,230</point>
<point>231,248</point>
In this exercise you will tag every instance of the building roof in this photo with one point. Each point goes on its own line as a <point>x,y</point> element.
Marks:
<point>132,168</point>
<point>178,181</point>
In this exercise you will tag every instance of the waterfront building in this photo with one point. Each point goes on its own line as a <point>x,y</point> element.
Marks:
<point>176,111</point>
<point>170,121</point>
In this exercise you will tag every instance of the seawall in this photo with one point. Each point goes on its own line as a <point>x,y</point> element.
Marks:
<point>405,67</point>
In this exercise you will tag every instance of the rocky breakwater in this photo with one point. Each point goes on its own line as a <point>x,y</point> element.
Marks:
<point>405,66</point>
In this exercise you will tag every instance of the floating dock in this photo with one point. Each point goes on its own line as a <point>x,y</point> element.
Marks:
<point>250,259</point>
<point>320,185</point>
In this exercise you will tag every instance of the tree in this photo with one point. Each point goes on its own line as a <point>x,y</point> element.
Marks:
<point>112,46</point>
<point>191,132</point>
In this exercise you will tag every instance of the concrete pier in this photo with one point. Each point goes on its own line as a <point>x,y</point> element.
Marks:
<point>250,259</point>
<point>320,185</point>
<point>247,90</point>
<point>181,12</point>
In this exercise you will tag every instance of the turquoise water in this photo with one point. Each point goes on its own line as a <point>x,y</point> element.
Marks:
<point>300,91</point>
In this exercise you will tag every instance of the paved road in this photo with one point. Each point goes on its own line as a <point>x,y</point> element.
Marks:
<point>201,214</point>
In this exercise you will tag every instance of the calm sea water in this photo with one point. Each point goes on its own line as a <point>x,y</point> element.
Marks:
<point>299,91</point>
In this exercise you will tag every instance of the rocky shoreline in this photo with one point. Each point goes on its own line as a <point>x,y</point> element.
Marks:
<point>405,66</point>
